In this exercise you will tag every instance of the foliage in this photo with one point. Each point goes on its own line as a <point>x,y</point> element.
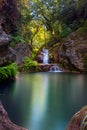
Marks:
<point>59,17</point>
<point>65,31</point>
<point>17,38</point>
<point>8,72</point>
<point>83,28</point>
<point>28,64</point>
<point>42,21</point>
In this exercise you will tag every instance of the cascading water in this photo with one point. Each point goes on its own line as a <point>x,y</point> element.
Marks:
<point>45,56</point>
<point>55,68</point>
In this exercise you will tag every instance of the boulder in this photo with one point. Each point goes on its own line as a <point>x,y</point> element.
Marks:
<point>7,54</point>
<point>73,53</point>
<point>79,120</point>
<point>39,58</point>
<point>43,67</point>
<point>22,50</point>
<point>5,122</point>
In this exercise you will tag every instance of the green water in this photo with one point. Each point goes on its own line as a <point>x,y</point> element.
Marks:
<point>44,101</point>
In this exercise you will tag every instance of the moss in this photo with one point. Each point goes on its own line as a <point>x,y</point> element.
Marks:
<point>7,72</point>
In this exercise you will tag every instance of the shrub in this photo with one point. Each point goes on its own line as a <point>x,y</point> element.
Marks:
<point>8,72</point>
<point>16,39</point>
<point>65,31</point>
<point>28,64</point>
<point>82,29</point>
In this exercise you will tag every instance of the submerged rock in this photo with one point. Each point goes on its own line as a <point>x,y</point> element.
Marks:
<point>7,54</point>
<point>5,123</point>
<point>79,120</point>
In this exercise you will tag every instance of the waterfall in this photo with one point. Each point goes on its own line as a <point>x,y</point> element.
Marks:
<point>55,68</point>
<point>45,56</point>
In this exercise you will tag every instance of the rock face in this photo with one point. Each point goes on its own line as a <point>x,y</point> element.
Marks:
<point>39,58</point>
<point>79,120</point>
<point>5,123</point>
<point>22,50</point>
<point>7,54</point>
<point>73,53</point>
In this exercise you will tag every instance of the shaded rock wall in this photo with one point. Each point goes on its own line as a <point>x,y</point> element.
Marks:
<point>7,54</point>
<point>73,52</point>
<point>22,50</point>
<point>10,14</point>
<point>5,123</point>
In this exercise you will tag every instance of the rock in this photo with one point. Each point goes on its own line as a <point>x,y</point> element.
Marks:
<point>4,38</point>
<point>39,58</point>
<point>5,123</point>
<point>7,54</point>
<point>78,121</point>
<point>22,50</point>
<point>43,67</point>
<point>73,53</point>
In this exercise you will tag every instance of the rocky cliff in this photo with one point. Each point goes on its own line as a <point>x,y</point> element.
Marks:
<point>22,51</point>
<point>71,54</point>
<point>7,54</point>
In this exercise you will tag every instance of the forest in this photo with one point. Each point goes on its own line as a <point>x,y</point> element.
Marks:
<point>51,24</point>
<point>43,64</point>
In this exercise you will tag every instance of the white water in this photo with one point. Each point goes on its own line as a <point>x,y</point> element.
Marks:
<point>55,68</point>
<point>45,56</point>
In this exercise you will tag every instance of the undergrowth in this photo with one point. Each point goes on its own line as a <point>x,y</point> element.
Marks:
<point>8,72</point>
<point>28,64</point>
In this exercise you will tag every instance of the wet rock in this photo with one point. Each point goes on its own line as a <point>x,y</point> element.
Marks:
<point>7,54</point>
<point>79,120</point>
<point>5,123</point>
<point>39,58</point>
<point>43,67</point>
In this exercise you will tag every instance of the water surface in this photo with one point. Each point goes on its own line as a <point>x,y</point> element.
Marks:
<point>44,101</point>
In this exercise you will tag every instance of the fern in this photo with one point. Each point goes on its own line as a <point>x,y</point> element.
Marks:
<point>7,72</point>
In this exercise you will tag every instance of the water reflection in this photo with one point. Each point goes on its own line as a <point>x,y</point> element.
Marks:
<point>38,100</point>
<point>44,101</point>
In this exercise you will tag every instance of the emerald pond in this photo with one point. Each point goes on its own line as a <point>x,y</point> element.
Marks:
<point>44,101</point>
